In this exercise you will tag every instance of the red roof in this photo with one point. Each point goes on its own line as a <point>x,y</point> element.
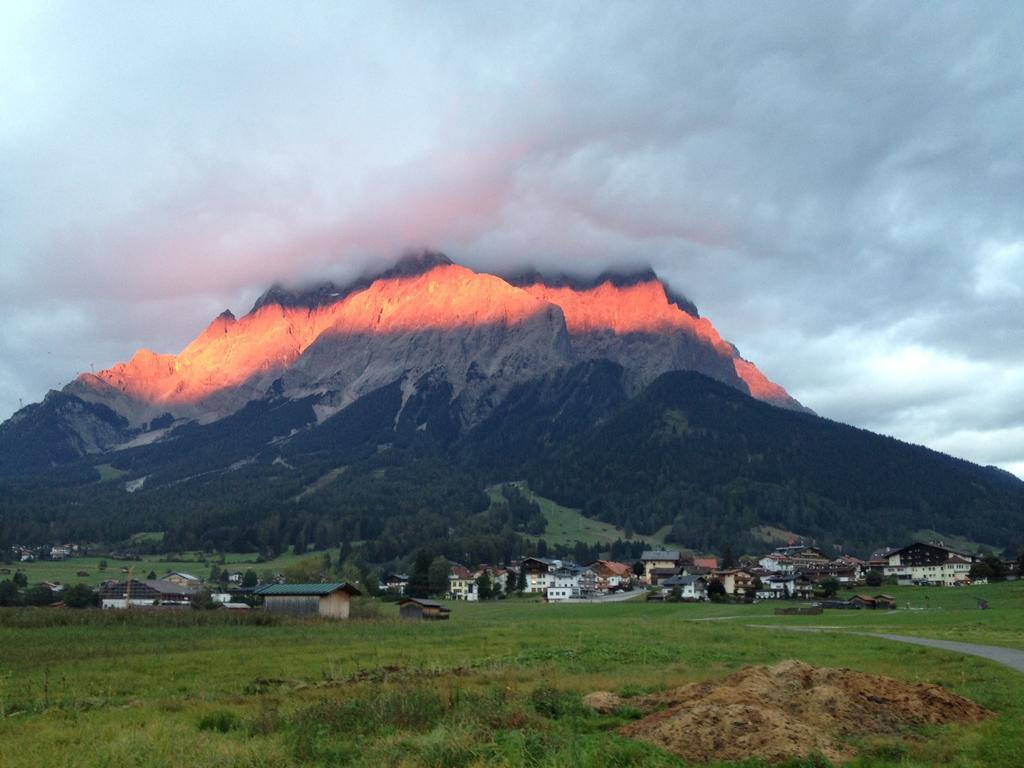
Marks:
<point>706,562</point>
<point>459,572</point>
<point>610,568</point>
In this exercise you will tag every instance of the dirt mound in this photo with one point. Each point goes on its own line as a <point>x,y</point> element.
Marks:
<point>602,701</point>
<point>790,710</point>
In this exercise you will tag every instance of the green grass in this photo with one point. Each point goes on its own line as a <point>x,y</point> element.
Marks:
<point>196,563</point>
<point>109,472</point>
<point>566,525</point>
<point>499,684</point>
<point>946,613</point>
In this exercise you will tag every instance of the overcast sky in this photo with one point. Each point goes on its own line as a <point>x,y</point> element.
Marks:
<point>838,186</point>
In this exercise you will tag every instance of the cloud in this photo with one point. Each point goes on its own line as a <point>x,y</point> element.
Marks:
<point>837,186</point>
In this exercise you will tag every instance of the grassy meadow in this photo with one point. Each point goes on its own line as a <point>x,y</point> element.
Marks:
<point>499,684</point>
<point>566,525</point>
<point>196,563</point>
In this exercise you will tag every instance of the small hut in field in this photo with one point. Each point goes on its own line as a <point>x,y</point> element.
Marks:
<point>427,610</point>
<point>332,600</point>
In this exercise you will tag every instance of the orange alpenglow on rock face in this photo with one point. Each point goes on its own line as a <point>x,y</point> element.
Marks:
<point>645,307</point>
<point>526,329</point>
<point>640,308</point>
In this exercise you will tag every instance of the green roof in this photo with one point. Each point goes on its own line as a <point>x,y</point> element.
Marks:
<point>306,589</point>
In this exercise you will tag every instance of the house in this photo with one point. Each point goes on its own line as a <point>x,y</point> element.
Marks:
<point>885,602</point>
<point>611,575</point>
<point>736,581</point>
<point>785,587</point>
<point>691,588</point>
<point>537,571</point>
<point>424,610</point>
<point>236,577</point>
<point>801,587</point>
<point>331,600</point>
<point>461,583</point>
<point>500,577</point>
<point>396,583</point>
<point>182,579</point>
<point>795,559</point>
<point>711,563</point>
<point>657,576</point>
<point>695,570</point>
<point>862,601</point>
<point>144,593</point>
<point>662,560</point>
<point>920,563</point>
<point>571,582</point>
<point>849,569</point>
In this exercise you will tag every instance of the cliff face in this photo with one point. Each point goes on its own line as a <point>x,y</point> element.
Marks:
<point>479,332</point>
<point>640,326</point>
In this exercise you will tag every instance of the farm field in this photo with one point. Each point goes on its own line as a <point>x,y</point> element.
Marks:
<point>499,684</point>
<point>66,571</point>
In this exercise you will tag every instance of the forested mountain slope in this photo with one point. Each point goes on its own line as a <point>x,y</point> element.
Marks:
<point>396,469</point>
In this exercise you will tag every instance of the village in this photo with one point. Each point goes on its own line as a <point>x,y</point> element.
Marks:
<point>795,572</point>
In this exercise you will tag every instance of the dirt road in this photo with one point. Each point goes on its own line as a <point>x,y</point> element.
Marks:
<point>1010,657</point>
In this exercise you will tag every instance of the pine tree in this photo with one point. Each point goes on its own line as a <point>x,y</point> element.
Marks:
<point>419,577</point>
<point>484,590</point>
<point>437,577</point>
<point>728,558</point>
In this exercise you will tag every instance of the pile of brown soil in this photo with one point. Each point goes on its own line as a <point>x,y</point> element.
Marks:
<point>789,710</point>
<point>603,702</point>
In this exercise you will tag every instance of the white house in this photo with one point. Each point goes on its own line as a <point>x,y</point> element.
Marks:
<point>538,573</point>
<point>571,582</point>
<point>784,587</point>
<point>462,584</point>
<point>928,564</point>
<point>690,587</point>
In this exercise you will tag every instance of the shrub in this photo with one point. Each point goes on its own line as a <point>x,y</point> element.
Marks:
<point>80,596</point>
<point>364,608</point>
<point>222,721</point>
<point>553,703</point>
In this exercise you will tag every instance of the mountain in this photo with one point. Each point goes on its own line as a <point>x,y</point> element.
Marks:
<point>480,332</point>
<point>378,412</point>
<point>687,456</point>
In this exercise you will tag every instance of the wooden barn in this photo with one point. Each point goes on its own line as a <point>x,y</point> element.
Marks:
<point>427,610</point>
<point>888,602</point>
<point>330,600</point>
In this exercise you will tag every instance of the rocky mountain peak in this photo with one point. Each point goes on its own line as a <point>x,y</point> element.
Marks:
<point>321,294</point>
<point>423,315</point>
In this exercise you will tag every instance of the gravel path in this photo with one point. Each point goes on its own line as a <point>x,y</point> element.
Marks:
<point>1010,657</point>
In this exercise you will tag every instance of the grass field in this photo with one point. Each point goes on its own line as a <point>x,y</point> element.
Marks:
<point>196,563</point>
<point>499,684</point>
<point>567,525</point>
